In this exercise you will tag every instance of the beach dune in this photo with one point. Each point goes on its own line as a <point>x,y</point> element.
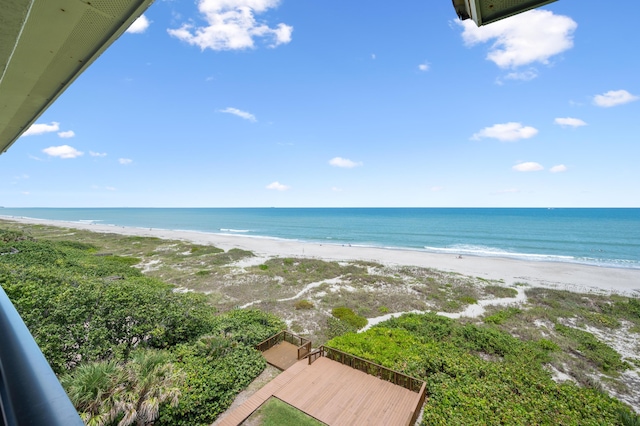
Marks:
<point>560,275</point>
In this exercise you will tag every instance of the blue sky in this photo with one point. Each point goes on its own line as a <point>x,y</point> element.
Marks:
<point>298,103</point>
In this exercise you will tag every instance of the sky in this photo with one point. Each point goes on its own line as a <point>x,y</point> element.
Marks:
<point>299,103</point>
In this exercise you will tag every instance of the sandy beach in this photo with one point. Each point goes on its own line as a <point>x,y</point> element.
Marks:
<point>566,276</point>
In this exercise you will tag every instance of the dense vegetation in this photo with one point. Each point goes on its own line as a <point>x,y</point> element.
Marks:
<point>113,333</point>
<point>97,318</point>
<point>480,375</point>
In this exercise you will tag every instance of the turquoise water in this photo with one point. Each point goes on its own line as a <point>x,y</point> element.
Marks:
<point>604,237</point>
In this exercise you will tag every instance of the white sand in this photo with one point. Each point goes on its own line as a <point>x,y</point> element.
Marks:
<point>566,276</point>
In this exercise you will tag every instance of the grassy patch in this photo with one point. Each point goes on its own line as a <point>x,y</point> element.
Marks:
<point>294,271</point>
<point>502,316</point>
<point>230,256</point>
<point>369,303</point>
<point>500,291</point>
<point>203,250</point>
<point>275,412</point>
<point>607,359</point>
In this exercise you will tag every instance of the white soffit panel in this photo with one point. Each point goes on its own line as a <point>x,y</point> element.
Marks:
<point>45,45</point>
<point>484,12</point>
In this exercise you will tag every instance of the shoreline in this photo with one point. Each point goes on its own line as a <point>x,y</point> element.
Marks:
<point>558,275</point>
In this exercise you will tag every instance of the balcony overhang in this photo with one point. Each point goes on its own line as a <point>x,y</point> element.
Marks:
<point>45,45</point>
<point>484,12</point>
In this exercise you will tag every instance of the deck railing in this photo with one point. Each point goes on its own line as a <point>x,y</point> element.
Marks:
<point>384,373</point>
<point>30,393</point>
<point>416,412</point>
<point>317,353</point>
<point>304,345</point>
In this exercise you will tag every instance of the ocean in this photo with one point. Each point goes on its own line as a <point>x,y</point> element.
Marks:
<point>601,236</point>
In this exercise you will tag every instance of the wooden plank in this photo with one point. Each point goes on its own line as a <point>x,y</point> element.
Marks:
<point>335,394</point>
<point>282,356</point>
<point>340,395</point>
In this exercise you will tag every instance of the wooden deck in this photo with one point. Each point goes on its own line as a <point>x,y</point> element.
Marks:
<point>335,394</point>
<point>241,413</point>
<point>282,356</point>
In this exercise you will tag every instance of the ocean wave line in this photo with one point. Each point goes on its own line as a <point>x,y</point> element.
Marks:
<point>496,252</point>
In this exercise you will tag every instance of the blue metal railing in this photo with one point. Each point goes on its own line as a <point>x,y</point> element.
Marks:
<point>30,393</point>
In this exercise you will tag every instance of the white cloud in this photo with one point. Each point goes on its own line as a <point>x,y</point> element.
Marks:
<point>39,129</point>
<point>424,66</point>
<point>613,98</point>
<point>125,161</point>
<point>344,163</point>
<point>529,37</point>
<point>108,188</point>
<point>570,122</point>
<point>336,189</point>
<point>97,154</point>
<point>67,134</point>
<point>25,193</point>
<point>507,191</point>
<point>140,25</point>
<point>527,75</point>
<point>62,151</point>
<point>16,179</point>
<point>231,25</point>
<point>507,132</point>
<point>278,186</point>
<point>558,169</point>
<point>529,166</point>
<point>239,113</point>
<point>436,188</point>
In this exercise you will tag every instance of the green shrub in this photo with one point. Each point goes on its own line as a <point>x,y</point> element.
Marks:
<point>212,382</point>
<point>466,389</point>
<point>247,326</point>
<point>303,304</point>
<point>628,418</point>
<point>502,316</point>
<point>347,315</point>
<point>599,319</point>
<point>76,308</point>
<point>78,245</point>
<point>9,236</point>
<point>336,327</point>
